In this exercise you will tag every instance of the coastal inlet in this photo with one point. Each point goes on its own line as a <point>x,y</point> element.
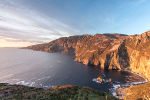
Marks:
<point>44,70</point>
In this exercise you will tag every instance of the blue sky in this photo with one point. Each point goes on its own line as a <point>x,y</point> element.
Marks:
<point>37,21</point>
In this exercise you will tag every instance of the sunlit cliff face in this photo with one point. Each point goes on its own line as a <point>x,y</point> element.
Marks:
<point>5,43</point>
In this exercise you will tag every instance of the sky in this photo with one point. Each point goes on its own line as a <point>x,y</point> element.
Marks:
<point>28,22</point>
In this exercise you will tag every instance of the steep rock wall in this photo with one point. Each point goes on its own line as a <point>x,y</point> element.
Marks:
<point>109,51</point>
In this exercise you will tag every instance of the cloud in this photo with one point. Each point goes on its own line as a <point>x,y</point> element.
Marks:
<point>10,42</point>
<point>20,23</point>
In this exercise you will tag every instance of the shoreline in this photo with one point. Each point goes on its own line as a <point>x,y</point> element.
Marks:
<point>120,92</point>
<point>117,86</point>
<point>145,79</point>
<point>119,89</point>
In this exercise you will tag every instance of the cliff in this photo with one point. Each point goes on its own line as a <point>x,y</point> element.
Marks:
<point>109,51</point>
<point>67,92</point>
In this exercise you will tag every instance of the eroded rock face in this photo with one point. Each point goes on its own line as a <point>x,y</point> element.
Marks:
<point>139,54</point>
<point>65,44</point>
<point>123,59</point>
<point>109,51</point>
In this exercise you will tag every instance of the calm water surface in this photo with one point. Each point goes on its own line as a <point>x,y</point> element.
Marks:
<point>42,69</point>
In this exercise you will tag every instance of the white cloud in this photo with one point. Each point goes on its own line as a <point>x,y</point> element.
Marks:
<point>20,23</point>
<point>11,42</point>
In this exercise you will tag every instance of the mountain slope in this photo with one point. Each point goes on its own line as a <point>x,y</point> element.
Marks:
<point>109,51</point>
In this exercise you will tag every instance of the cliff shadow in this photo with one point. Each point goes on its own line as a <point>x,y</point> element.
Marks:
<point>107,61</point>
<point>123,59</point>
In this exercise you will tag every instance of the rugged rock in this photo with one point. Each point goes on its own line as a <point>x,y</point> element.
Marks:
<point>138,48</point>
<point>109,51</point>
<point>99,79</point>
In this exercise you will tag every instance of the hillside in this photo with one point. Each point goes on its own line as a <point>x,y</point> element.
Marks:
<point>67,92</point>
<point>109,51</point>
<point>140,92</point>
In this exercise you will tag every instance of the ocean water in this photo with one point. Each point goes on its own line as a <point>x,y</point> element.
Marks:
<point>44,70</point>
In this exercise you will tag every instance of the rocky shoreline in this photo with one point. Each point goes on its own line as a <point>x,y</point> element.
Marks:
<point>121,91</point>
<point>140,91</point>
<point>107,51</point>
<point>132,92</point>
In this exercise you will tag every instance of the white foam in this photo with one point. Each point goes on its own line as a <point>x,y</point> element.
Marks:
<point>118,85</point>
<point>115,87</point>
<point>25,83</point>
<point>113,90</point>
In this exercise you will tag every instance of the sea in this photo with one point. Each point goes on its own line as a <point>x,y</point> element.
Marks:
<point>45,70</point>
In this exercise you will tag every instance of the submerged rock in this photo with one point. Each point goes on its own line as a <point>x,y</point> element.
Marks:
<point>108,80</point>
<point>99,79</point>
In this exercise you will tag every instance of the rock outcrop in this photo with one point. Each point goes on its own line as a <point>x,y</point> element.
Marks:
<point>138,48</point>
<point>109,51</point>
<point>99,79</point>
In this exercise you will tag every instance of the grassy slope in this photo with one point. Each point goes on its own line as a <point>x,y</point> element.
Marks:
<point>138,92</point>
<point>18,92</point>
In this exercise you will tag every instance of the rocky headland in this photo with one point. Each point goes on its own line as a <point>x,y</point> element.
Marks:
<point>109,51</point>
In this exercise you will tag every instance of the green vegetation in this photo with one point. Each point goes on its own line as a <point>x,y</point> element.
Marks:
<point>68,92</point>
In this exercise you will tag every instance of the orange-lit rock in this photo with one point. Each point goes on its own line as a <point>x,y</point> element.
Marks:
<point>99,79</point>
<point>109,51</point>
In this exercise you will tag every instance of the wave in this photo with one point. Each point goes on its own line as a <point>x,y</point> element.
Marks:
<point>117,85</point>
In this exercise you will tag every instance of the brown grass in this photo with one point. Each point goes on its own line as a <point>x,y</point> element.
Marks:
<point>138,92</point>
